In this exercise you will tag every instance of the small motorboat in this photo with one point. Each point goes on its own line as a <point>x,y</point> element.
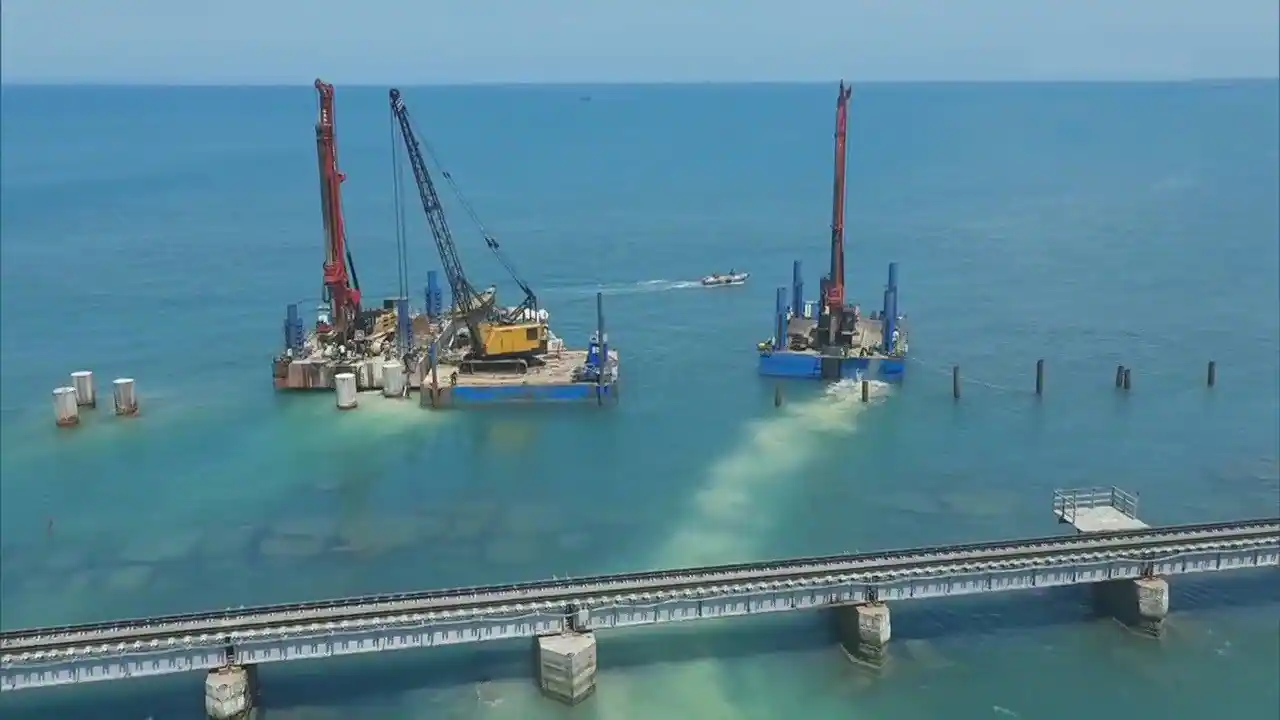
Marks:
<point>732,278</point>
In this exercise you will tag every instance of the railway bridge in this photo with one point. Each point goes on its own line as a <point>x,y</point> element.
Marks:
<point>1126,561</point>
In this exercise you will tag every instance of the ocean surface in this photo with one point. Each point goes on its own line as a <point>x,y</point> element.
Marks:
<point>159,233</point>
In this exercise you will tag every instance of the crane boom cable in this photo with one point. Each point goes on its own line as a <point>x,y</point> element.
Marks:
<point>491,334</point>
<point>490,241</point>
<point>464,294</point>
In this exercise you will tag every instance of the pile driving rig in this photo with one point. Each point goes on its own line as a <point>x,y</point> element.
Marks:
<point>344,333</point>
<point>829,338</point>
<point>477,335</point>
<point>837,323</point>
<point>341,286</point>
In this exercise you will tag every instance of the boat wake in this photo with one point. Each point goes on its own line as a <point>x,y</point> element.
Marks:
<point>634,288</point>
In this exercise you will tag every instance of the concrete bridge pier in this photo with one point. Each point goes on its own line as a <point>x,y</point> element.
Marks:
<point>566,665</point>
<point>864,632</point>
<point>1142,604</point>
<point>229,692</point>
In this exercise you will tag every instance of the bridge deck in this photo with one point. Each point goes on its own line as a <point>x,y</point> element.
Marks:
<point>916,562</point>
<point>93,652</point>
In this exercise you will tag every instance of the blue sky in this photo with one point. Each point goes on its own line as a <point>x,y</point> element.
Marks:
<point>462,41</point>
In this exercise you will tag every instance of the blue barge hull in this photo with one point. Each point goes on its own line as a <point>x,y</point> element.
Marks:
<point>563,376</point>
<point>875,347</point>
<point>802,365</point>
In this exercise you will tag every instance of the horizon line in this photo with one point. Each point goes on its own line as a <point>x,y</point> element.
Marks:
<point>230,84</point>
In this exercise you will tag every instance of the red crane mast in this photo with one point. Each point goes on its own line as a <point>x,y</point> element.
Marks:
<point>341,288</point>
<point>835,286</point>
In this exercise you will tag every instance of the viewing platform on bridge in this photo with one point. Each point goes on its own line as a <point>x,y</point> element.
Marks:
<point>1097,509</point>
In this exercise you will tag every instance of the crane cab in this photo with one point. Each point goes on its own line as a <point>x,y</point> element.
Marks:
<point>496,340</point>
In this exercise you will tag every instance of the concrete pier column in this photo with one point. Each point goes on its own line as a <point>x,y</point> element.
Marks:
<point>228,693</point>
<point>864,632</point>
<point>126,396</point>
<point>65,410</point>
<point>393,379</point>
<point>1142,604</point>
<point>82,381</point>
<point>368,374</point>
<point>344,385</point>
<point>566,665</point>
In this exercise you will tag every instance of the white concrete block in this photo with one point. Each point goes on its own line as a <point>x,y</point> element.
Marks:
<point>65,409</point>
<point>345,389</point>
<point>126,396</point>
<point>393,379</point>
<point>82,381</point>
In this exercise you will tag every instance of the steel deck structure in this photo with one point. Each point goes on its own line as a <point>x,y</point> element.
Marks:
<point>246,636</point>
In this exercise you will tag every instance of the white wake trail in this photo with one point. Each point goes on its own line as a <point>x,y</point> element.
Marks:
<point>631,288</point>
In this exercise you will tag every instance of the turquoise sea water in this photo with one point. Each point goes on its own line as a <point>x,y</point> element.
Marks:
<point>158,234</point>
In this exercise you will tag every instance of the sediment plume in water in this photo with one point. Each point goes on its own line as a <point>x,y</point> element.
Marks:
<point>727,520</point>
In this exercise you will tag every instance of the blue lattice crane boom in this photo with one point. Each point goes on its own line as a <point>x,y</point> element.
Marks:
<point>465,296</point>
<point>493,335</point>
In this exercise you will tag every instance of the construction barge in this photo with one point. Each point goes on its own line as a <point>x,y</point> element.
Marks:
<point>448,378</point>
<point>472,352</point>
<point>828,338</point>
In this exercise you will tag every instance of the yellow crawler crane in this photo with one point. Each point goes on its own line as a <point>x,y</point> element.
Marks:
<point>494,336</point>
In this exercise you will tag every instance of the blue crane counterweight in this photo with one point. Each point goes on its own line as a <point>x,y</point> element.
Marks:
<point>890,311</point>
<point>828,338</point>
<point>434,300</point>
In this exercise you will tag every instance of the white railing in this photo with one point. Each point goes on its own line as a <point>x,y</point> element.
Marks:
<point>1067,502</point>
